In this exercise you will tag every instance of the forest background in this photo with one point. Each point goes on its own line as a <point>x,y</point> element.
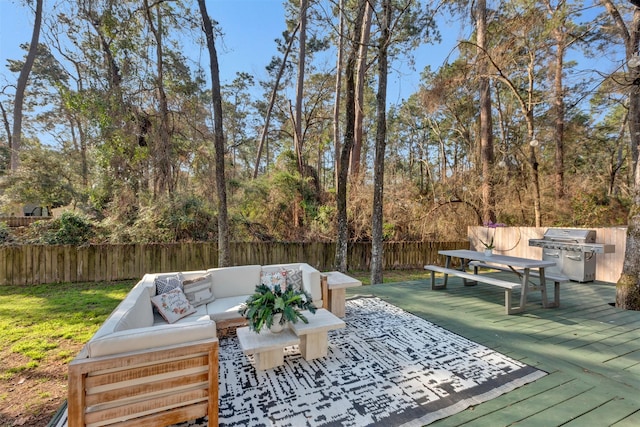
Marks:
<point>118,122</point>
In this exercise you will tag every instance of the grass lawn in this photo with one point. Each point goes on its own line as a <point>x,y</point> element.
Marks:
<point>43,327</point>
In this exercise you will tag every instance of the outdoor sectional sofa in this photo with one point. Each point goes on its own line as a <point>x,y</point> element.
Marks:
<point>139,369</point>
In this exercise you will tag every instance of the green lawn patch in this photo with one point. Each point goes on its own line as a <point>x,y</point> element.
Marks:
<point>36,320</point>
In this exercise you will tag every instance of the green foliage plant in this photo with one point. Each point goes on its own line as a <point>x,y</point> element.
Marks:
<point>71,228</point>
<point>5,233</point>
<point>182,218</point>
<point>261,307</point>
<point>43,178</point>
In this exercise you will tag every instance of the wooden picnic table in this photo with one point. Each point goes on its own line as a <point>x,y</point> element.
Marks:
<point>524,268</point>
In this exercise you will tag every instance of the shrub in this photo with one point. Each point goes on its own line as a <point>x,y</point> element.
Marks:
<point>69,229</point>
<point>74,229</point>
<point>5,233</point>
<point>183,218</point>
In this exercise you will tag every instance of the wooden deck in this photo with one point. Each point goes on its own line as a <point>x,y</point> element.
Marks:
<point>590,349</point>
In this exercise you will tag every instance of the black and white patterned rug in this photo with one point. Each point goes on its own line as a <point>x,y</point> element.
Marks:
<point>387,367</point>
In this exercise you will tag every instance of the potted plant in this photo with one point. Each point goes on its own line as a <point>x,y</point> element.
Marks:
<point>273,308</point>
<point>489,246</point>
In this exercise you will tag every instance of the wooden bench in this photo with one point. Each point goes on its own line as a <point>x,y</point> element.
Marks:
<point>557,279</point>
<point>508,286</point>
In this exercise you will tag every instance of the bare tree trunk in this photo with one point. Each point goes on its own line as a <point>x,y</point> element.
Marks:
<point>300,85</point>
<point>535,172</point>
<point>113,71</point>
<point>224,258</point>
<point>7,129</point>
<point>486,123</point>
<point>377,218</point>
<point>559,107</point>
<point>82,135</point>
<point>18,102</point>
<point>163,182</point>
<point>345,152</point>
<point>356,153</point>
<point>628,286</point>
<point>630,36</point>
<point>560,37</point>
<point>617,164</point>
<point>272,101</point>
<point>336,105</point>
<point>526,107</point>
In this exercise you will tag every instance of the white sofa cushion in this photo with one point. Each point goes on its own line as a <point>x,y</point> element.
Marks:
<point>137,315</point>
<point>311,282</point>
<point>233,281</point>
<point>200,314</point>
<point>134,311</point>
<point>226,308</point>
<point>150,337</point>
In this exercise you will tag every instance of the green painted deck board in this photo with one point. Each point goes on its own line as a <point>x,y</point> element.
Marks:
<point>541,386</point>
<point>532,405</point>
<point>570,409</point>
<point>590,350</point>
<point>611,412</point>
<point>632,420</point>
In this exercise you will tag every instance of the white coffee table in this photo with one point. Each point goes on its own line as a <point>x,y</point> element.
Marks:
<point>266,347</point>
<point>314,337</point>
<point>337,282</point>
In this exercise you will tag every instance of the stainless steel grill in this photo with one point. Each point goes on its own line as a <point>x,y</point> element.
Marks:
<point>574,251</point>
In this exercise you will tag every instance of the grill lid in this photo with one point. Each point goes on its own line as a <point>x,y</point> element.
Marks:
<point>570,235</point>
<point>572,239</point>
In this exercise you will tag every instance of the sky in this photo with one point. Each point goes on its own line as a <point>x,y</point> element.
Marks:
<point>250,28</point>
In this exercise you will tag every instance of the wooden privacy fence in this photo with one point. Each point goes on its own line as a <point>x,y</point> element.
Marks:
<point>23,221</point>
<point>33,264</point>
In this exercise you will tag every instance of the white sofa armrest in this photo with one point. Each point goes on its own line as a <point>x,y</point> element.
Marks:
<point>311,281</point>
<point>150,337</point>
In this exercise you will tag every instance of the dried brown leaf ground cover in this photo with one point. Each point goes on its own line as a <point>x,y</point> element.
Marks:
<point>43,327</point>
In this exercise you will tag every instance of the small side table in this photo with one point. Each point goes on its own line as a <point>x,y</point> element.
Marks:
<point>336,283</point>
<point>314,336</point>
<point>267,348</point>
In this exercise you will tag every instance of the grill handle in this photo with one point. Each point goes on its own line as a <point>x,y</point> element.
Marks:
<point>552,254</point>
<point>575,257</point>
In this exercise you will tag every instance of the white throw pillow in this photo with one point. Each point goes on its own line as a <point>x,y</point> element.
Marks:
<point>199,290</point>
<point>173,305</point>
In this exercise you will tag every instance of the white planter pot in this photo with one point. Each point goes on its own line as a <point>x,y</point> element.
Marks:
<point>277,327</point>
